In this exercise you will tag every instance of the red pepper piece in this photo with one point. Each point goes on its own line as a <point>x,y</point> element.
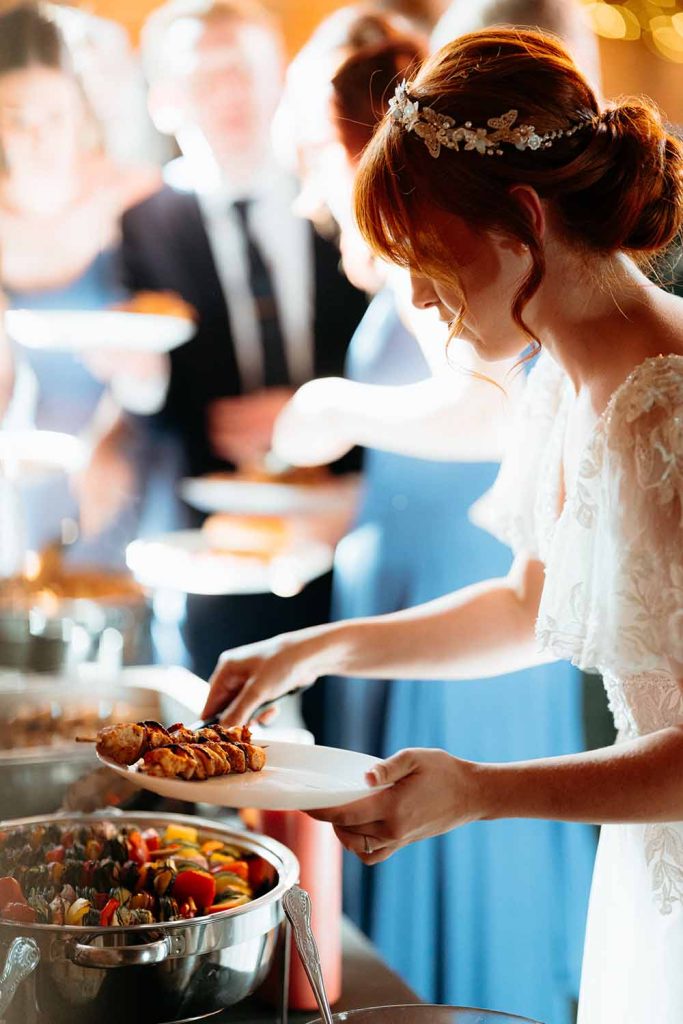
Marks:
<point>197,885</point>
<point>137,848</point>
<point>19,912</point>
<point>10,892</point>
<point>236,867</point>
<point>108,911</point>
<point>260,872</point>
<point>151,837</point>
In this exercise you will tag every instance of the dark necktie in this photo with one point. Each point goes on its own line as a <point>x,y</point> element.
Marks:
<point>275,371</point>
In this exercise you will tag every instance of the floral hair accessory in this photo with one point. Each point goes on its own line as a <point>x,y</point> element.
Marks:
<point>437,130</point>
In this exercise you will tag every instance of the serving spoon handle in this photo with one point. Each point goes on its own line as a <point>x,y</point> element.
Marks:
<point>297,906</point>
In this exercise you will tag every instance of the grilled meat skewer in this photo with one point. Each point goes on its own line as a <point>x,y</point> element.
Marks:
<point>127,743</point>
<point>199,761</point>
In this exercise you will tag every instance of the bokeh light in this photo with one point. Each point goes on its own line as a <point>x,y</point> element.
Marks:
<point>659,24</point>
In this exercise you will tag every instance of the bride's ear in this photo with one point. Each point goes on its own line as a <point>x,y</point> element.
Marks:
<point>530,201</point>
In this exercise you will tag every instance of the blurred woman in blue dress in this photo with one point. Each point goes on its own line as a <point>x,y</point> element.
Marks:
<point>61,199</point>
<point>491,915</point>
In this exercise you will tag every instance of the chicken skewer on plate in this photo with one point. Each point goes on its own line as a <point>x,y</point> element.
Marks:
<point>199,761</point>
<point>126,743</point>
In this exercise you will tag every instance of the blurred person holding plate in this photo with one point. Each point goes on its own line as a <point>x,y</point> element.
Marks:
<point>61,199</point>
<point>273,308</point>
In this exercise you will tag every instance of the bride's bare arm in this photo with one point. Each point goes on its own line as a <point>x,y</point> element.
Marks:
<point>637,781</point>
<point>431,792</point>
<point>481,630</point>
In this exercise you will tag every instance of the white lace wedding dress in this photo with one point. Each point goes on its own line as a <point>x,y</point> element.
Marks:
<point>613,603</point>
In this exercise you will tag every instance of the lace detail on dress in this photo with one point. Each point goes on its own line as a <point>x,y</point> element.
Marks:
<point>613,595</point>
<point>613,600</point>
<point>664,855</point>
<point>643,703</point>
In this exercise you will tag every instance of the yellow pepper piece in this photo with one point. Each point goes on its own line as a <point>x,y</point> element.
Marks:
<point>220,858</point>
<point>77,911</point>
<point>183,833</point>
<point>210,846</point>
<point>226,881</point>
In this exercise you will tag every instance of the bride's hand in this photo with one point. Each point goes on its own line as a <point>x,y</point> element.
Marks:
<point>430,793</point>
<point>246,677</point>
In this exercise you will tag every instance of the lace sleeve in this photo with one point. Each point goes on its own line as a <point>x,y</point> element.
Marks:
<point>613,599</point>
<point>513,509</point>
<point>644,495</point>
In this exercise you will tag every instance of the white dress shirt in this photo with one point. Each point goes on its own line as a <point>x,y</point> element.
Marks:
<point>286,244</point>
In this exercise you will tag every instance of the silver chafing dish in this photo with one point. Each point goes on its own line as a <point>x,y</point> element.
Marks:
<point>34,779</point>
<point>74,630</point>
<point>158,974</point>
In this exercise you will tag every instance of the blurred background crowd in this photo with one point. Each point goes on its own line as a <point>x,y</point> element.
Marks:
<point>205,151</point>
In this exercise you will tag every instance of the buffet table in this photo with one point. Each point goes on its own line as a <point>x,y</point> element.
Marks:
<point>367,981</point>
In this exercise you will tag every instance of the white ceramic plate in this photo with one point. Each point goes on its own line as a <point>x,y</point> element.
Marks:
<point>29,454</point>
<point>183,561</point>
<point>297,777</point>
<point>221,494</point>
<point>91,330</point>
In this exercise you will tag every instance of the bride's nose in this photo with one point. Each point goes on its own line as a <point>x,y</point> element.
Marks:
<point>423,294</point>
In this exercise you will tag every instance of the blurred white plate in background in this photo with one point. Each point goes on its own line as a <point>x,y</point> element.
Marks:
<point>183,561</point>
<point>296,777</point>
<point>90,330</point>
<point>221,494</point>
<point>28,454</point>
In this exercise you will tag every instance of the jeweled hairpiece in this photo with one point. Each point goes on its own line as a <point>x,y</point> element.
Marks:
<point>437,130</point>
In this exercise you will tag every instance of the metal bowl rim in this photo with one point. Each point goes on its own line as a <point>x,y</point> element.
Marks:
<point>429,1006</point>
<point>288,872</point>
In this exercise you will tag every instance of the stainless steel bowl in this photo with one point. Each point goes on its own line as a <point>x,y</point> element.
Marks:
<point>160,974</point>
<point>426,1014</point>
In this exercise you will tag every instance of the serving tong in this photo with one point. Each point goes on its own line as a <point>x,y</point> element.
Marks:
<point>206,723</point>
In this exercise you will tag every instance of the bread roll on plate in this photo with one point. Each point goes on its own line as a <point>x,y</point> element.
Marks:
<point>256,535</point>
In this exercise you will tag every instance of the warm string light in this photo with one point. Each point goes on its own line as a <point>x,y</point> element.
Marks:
<point>659,24</point>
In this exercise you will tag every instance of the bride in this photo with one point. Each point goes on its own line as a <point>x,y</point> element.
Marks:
<point>524,212</point>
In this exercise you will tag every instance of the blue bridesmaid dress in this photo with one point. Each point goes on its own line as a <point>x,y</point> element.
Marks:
<point>491,914</point>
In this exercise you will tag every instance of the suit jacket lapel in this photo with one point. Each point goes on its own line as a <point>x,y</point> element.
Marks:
<point>197,257</point>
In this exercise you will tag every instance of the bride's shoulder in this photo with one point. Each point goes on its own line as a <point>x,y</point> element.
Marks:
<point>650,396</point>
<point>642,442</point>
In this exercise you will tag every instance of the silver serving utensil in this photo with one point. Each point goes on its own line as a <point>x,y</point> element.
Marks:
<point>297,906</point>
<point>22,958</point>
<point>204,723</point>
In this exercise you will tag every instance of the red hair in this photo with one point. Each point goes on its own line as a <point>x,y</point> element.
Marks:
<point>615,185</point>
<point>380,52</point>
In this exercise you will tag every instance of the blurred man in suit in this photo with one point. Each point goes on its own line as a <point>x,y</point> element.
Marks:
<point>274,310</point>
